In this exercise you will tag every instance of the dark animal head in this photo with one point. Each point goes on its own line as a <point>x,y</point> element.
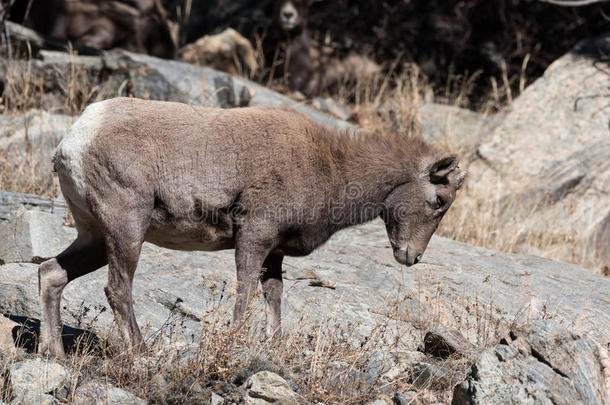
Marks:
<point>413,210</point>
<point>291,15</point>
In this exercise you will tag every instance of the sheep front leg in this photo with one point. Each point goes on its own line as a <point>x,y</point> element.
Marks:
<point>249,257</point>
<point>123,258</point>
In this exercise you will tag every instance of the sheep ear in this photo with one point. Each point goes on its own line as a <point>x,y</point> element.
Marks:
<point>439,170</point>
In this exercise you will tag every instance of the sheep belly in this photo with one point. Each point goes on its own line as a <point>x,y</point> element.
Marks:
<point>192,233</point>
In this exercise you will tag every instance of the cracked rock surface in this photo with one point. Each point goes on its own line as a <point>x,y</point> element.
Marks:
<point>543,364</point>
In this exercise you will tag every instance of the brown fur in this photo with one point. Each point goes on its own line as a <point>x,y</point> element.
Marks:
<point>267,181</point>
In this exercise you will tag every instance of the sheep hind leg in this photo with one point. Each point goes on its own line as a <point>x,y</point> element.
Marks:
<point>271,281</point>
<point>84,255</point>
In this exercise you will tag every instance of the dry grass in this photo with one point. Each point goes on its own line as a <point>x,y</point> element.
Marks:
<point>325,361</point>
<point>65,90</point>
<point>21,176</point>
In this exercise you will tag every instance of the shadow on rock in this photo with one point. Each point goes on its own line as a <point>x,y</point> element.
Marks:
<point>75,340</point>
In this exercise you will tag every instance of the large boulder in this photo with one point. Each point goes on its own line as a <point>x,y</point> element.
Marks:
<point>551,156</point>
<point>12,203</point>
<point>543,364</point>
<point>479,292</point>
<point>452,125</point>
<point>33,236</point>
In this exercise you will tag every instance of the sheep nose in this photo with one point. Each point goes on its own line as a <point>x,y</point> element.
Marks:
<point>288,14</point>
<point>417,259</point>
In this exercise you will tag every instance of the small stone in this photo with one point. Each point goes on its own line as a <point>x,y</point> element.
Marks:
<point>216,399</point>
<point>382,400</point>
<point>266,387</point>
<point>404,360</point>
<point>444,342</point>
<point>426,375</point>
<point>101,393</point>
<point>31,378</point>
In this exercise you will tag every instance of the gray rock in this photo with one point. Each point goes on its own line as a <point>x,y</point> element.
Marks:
<point>551,154</point>
<point>216,399</point>
<point>33,236</point>
<point>31,378</point>
<point>64,61</point>
<point>43,399</point>
<point>24,36</point>
<point>444,342</point>
<point>453,125</point>
<point>432,376</point>
<point>480,293</point>
<point>170,80</point>
<point>11,203</point>
<point>383,400</point>
<point>332,107</point>
<point>102,393</point>
<point>266,387</point>
<point>543,364</point>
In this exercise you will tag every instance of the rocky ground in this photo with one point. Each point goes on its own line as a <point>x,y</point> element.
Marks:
<point>468,325</point>
<point>533,327</point>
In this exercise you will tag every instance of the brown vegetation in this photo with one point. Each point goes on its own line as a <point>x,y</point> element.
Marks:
<point>326,361</point>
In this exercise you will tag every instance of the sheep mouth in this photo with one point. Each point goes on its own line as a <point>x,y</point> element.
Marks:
<point>288,25</point>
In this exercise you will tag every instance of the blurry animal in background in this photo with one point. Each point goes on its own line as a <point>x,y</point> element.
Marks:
<point>228,51</point>
<point>141,26</point>
<point>305,68</point>
<point>290,32</point>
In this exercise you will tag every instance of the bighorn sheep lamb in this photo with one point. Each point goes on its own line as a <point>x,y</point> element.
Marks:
<point>290,26</point>
<point>265,181</point>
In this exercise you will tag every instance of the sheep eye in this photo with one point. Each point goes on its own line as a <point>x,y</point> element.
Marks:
<point>439,202</point>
